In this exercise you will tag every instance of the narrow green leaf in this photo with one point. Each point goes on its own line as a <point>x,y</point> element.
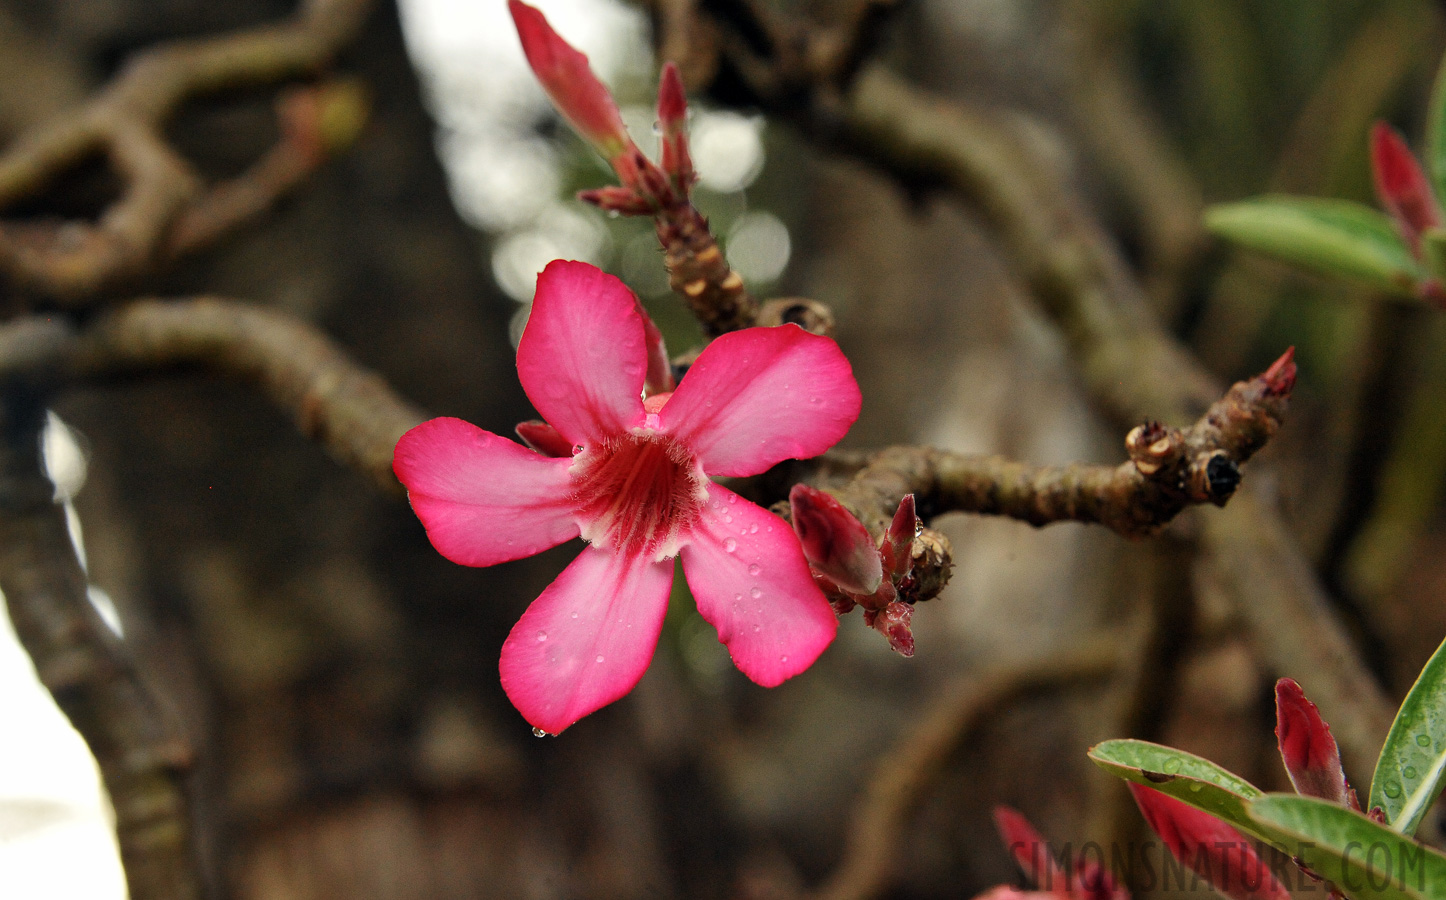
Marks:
<point>1365,860</point>
<point>1412,767</point>
<point>1436,133</point>
<point>1184,776</point>
<point>1330,237</point>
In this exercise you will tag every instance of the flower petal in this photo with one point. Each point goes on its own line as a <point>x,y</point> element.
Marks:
<point>746,571</point>
<point>483,499</point>
<point>762,395</point>
<point>582,357</point>
<point>588,639</point>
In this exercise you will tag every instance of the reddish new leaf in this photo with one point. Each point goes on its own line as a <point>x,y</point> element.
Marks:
<point>1311,756</point>
<point>1212,849</point>
<point>1402,186</point>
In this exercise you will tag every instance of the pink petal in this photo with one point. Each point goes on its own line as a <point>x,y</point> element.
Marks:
<point>582,358</point>
<point>483,499</point>
<point>588,639</point>
<point>746,571</point>
<point>1030,851</point>
<point>762,395</point>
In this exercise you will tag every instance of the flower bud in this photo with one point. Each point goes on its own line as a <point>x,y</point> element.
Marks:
<point>834,542</point>
<point>565,74</point>
<point>1215,851</point>
<point>673,123</point>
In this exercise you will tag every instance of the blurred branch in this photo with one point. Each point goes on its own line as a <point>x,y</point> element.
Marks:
<point>71,261</point>
<point>85,668</point>
<point>353,412</point>
<point>903,772</point>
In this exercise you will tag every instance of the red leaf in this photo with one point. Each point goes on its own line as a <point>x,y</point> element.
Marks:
<point>1215,851</point>
<point>1402,186</point>
<point>1311,756</point>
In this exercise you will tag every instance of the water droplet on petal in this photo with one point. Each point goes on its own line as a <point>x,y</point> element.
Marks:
<point>730,545</point>
<point>1409,772</point>
<point>757,628</point>
<point>737,596</point>
<point>1392,789</point>
<point>1172,766</point>
<point>538,732</point>
<point>542,636</point>
<point>813,399</point>
<point>599,659</point>
<point>755,593</point>
<point>753,529</point>
<point>732,498</point>
<point>754,569</point>
<point>574,615</point>
<point>1423,740</point>
<point>783,659</point>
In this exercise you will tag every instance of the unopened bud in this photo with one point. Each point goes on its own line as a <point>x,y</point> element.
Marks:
<point>564,72</point>
<point>893,623</point>
<point>1280,377</point>
<point>834,542</point>
<point>1215,851</point>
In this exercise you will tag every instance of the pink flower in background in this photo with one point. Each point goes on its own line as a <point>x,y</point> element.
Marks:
<point>637,489</point>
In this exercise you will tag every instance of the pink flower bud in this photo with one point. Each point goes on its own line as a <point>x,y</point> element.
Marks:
<point>565,74</point>
<point>673,121</point>
<point>834,542</point>
<point>1311,756</point>
<point>1030,851</point>
<point>1215,851</point>
<point>543,438</point>
<point>1402,186</point>
<point>897,548</point>
<point>621,200</point>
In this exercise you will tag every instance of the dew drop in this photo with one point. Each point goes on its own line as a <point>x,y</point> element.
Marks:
<point>918,528</point>
<point>753,529</point>
<point>1172,766</point>
<point>754,569</point>
<point>732,498</point>
<point>755,593</point>
<point>574,615</point>
<point>1423,740</point>
<point>727,517</point>
<point>576,449</point>
<point>813,400</point>
<point>783,659</point>
<point>538,732</point>
<point>1409,773</point>
<point>770,529</point>
<point>541,636</point>
<point>1392,789</point>
<point>1196,787</point>
<point>730,545</point>
<point>737,596</point>
<point>757,628</point>
<point>599,659</point>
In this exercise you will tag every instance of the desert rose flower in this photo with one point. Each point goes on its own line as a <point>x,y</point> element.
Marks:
<point>636,487</point>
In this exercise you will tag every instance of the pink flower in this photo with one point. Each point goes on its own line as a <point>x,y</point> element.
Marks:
<point>637,489</point>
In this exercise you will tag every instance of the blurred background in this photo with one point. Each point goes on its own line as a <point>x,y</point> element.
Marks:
<point>338,679</point>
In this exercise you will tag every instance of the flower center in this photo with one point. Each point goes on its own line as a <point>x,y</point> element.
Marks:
<point>638,492</point>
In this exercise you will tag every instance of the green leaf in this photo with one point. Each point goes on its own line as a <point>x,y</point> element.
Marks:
<point>1412,767</point>
<point>1184,776</point>
<point>1330,237</point>
<point>1365,860</point>
<point>1436,133</point>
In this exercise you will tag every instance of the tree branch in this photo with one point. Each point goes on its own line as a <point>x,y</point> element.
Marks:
<point>142,760</point>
